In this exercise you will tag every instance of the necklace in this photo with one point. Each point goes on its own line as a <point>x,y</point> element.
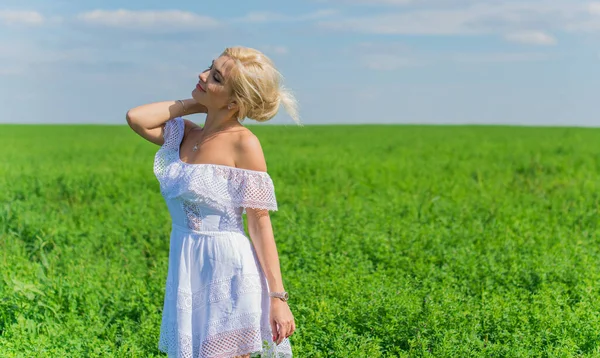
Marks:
<point>195,148</point>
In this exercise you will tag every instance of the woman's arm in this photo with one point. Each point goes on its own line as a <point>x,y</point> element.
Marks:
<point>250,156</point>
<point>261,233</point>
<point>148,120</point>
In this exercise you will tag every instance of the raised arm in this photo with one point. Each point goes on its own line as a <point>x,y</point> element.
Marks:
<point>148,120</point>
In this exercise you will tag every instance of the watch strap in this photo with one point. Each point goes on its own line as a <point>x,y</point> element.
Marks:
<point>281,295</point>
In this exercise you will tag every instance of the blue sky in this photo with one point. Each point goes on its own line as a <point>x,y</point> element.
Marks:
<point>530,62</point>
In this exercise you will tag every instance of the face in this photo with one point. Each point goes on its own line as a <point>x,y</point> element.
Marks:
<point>212,89</point>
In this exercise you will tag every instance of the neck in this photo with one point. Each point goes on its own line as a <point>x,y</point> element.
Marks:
<point>218,120</point>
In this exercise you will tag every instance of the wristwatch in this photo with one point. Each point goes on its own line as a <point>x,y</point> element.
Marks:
<point>281,295</point>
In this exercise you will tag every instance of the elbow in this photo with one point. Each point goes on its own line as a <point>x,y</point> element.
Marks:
<point>133,120</point>
<point>130,117</point>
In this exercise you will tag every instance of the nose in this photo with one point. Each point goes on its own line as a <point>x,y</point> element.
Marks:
<point>203,75</point>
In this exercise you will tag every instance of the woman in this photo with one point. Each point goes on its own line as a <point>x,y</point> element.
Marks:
<point>224,293</point>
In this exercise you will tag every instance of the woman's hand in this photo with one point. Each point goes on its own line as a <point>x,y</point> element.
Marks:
<point>282,320</point>
<point>192,107</point>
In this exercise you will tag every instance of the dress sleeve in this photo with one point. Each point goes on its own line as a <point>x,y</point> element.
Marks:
<point>173,132</point>
<point>255,190</point>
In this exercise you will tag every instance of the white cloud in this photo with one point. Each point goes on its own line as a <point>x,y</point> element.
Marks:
<point>386,56</point>
<point>164,20</point>
<point>396,56</point>
<point>475,18</point>
<point>11,71</point>
<point>268,16</point>
<point>531,38</point>
<point>388,62</point>
<point>15,17</point>
<point>594,8</point>
<point>280,50</point>
<point>373,2</point>
<point>500,57</point>
<point>262,16</point>
<point>385,2</point>
<point>393,56</point>
<point>407,23</point>
<point>319,14</point>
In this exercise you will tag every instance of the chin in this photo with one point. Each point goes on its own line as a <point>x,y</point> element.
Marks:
<point>197,96</point>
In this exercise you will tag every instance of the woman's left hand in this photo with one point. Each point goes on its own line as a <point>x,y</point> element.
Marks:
<point>281,319</point>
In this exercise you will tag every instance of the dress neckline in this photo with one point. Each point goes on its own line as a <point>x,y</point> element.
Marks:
<point>210,164</point>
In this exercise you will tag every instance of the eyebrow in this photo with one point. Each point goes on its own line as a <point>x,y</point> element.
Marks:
<point>219,72</point>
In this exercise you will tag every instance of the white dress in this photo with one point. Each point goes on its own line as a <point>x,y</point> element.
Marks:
<point>216,300</point>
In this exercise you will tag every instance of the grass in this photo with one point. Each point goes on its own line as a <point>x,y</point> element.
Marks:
<point>394,241</point>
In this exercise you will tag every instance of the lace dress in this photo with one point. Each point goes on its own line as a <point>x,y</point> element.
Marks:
<point>216,301</point>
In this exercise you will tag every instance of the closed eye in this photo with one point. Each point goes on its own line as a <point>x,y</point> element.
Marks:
<point>217,71</point>
<point>214,75</point>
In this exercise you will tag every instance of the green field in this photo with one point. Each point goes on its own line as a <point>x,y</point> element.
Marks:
<point>394,241</point>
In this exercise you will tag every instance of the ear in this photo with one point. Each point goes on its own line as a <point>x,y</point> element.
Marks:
<point>232,105</point>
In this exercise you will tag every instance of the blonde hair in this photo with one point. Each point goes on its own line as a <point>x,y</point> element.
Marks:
<point>256,86</point>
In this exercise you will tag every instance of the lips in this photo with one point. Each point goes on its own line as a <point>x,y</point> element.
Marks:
<point>200,88</point>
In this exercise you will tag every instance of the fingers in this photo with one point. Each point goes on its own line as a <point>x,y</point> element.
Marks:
<point>285,330</point>
<point>282,333</point>
<point>274,330</point>
<point>293,329</point>
<point>282,330</point>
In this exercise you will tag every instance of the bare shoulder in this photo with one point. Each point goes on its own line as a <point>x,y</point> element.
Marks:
<point>249,153</point>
